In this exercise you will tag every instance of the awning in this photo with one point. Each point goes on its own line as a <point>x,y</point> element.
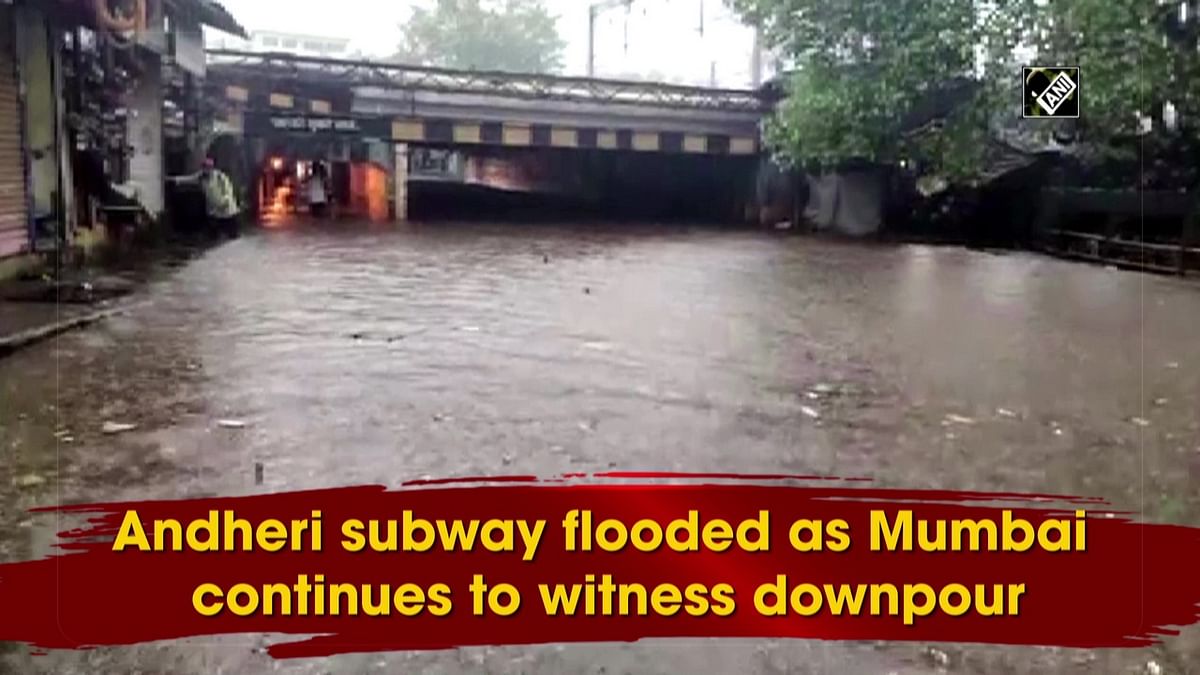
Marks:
<point>212,14</point>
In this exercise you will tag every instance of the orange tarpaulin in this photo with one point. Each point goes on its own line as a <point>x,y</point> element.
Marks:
<point>368,191</point>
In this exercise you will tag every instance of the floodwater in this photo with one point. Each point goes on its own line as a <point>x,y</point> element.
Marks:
<point>359,355</point>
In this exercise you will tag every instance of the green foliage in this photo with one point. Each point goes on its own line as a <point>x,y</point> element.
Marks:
<point>510,35</point>
<point>1128,64</point>
<point>861,66</point>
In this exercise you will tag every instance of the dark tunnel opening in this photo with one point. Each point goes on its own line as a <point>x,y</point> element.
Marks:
<point>554,185</point>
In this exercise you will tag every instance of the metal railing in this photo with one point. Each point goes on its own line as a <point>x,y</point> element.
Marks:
<point>257,67</point>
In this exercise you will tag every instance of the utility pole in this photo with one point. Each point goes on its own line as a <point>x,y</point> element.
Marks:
<point>756,56</point>
<point>593,11</point>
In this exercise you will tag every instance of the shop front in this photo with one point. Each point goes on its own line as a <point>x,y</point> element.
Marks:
<point>14,200</point>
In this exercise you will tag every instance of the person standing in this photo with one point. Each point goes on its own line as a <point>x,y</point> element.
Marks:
<point>318,191</point>
<point>220,199</point>
<point>219,195</point>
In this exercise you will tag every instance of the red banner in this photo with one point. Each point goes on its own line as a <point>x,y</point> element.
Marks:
<point>519,561</point>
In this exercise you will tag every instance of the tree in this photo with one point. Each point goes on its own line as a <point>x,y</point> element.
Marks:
<point>860,65</point>
<point>1137,59</point>
<point>511,35</point>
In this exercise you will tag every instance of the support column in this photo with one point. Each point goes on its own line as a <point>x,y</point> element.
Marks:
<point>400,181</point>
<point>145,135</point>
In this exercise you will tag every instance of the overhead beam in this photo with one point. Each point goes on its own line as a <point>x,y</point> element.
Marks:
<point>245,67</point>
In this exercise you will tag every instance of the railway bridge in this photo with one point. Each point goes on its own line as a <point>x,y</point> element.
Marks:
<point>613,144</point>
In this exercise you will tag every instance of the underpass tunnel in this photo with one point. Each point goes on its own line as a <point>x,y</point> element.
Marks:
<point>325,178</point>
<point>561,184</point>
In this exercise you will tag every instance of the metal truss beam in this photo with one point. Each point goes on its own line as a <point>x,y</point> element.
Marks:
<point>252,67</point>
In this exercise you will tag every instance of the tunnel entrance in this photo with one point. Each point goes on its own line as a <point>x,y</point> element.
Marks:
<point>554,185</point>
<point>325,178</point>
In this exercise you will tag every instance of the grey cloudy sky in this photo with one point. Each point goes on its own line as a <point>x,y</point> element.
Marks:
<point>659,37</point>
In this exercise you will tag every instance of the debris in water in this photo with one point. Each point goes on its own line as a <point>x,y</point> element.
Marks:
<point>1152,668</point>
<point>117,427</point>
<point>1058,431</point>
<point>231,424</point>
<point>959,419</point>
<point>1172,364</point>
<point>68,439</point>
<point>357,336</point>
<point>258,473</point>
<point>1005,412</point>
<point>811,412</point>
<point>439,417</point>
<point>586,426</point>
<point>507,459</point>
<point>61,433</point>
<point>469,329</point>
<point>1161,401</point>
<point>1139,421</point>
<point>940,658</point>
<point>546,259</point>
<point>812,395</point>
<point>29,480</point>
<point>587,291</point>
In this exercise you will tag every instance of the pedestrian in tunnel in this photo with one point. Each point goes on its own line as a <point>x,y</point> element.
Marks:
<point>318,191</point>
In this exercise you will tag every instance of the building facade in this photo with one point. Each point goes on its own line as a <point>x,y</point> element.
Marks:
<point>93,103</point>
<point>293,43</point>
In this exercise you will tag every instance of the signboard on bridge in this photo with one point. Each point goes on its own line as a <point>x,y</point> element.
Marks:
<point>323,125</point>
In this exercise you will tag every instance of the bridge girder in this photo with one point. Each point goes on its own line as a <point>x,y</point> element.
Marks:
<point>275,68</point>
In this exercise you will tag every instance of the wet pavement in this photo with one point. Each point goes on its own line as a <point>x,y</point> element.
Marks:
<point>377,355</point>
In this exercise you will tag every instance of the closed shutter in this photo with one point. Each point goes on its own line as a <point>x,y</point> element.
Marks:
<point>14,228</point>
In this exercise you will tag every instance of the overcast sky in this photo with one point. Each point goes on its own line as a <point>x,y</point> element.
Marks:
<point>663,35</point>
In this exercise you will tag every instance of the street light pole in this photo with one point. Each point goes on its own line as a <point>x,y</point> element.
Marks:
<point>756,57</point>
<point>593,11</point>
<point>591,71</point>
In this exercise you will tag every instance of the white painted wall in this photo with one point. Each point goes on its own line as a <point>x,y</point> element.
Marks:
<point>145,135</point>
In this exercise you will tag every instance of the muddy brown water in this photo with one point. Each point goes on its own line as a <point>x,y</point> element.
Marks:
<point>359,354</point>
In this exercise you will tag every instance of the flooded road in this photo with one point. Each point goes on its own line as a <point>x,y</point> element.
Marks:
<point>376,356</point>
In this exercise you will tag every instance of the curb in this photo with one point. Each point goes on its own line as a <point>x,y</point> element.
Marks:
<point>12,343</point>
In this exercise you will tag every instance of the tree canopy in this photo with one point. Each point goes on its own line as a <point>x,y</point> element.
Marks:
<point>861,65</point>
<point>510,35</point>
